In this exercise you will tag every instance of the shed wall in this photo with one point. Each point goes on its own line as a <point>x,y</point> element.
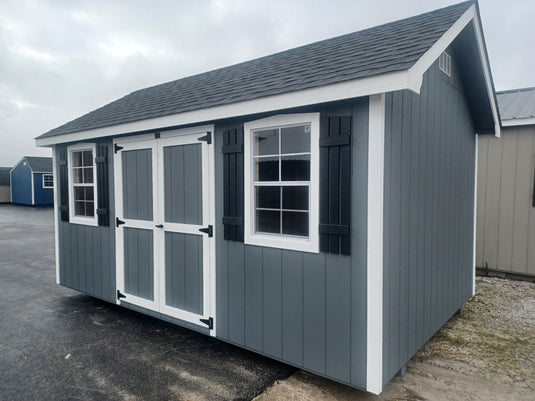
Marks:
<point>42,196</point>
<point>505,208</point>
<point>21,184</point>
<point>87,253</point>
<point>428,215</point>
<point>5,194</point>
<point>305,309</point>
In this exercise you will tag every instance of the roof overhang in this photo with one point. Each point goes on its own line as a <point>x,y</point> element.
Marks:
<point>518,122</point>
<point>410,79</point>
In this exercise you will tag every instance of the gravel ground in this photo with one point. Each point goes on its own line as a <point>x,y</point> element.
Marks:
<point>487,353</point>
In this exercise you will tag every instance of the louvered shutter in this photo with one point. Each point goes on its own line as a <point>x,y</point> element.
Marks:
<point>63,178</point>
<point>233,184</point>
<point>101,160</point>
<point>335,184</point>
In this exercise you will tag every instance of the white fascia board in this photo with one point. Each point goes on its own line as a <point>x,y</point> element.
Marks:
<point>518,121</point>
<point>339,91</point>
<point>422,65</point>
<point>376,147</point>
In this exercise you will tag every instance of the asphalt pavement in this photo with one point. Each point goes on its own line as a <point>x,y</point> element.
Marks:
<point>58,344</point>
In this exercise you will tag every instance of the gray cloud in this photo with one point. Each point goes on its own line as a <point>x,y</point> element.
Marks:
<point>61,59</point>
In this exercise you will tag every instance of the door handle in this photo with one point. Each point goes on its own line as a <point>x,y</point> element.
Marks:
<point>159,225</point>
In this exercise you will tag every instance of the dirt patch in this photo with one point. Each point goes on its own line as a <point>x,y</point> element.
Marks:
<point>486,353</point>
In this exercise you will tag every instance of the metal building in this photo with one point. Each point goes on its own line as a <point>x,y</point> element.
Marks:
<point>315,205</point>
<point>506,199</point>
<point>32,181</point>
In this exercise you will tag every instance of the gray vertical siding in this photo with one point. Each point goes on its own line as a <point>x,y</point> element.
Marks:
<point>137,184</point>
<point>302,308</point>
<point>505,212</point>
<point>87,254</point>
<point>183,184</point>
<point>428,213</point>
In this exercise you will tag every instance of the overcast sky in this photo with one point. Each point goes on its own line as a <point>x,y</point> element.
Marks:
<point>60,59</point>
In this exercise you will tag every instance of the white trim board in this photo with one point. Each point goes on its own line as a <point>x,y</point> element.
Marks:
<point>376,148</point>
<point>56,212</point>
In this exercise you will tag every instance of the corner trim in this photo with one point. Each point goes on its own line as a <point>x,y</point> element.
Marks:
<point>56,212</point>
<point>475,215</point>
<point>376,148</point>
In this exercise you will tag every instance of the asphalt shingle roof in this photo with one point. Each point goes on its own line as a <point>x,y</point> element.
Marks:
<point>39,164</point>
<point>383,49</point>
<point>517,103</point>
<point>4,176</point>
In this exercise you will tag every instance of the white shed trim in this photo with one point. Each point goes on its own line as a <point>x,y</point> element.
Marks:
<point>56,212</point>
<point>376,148</point>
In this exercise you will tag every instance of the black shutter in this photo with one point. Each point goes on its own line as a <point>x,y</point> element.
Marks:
<point>63,184</point>
<point>335,184</point>
<point>233,184</point>
<point>101,160</point>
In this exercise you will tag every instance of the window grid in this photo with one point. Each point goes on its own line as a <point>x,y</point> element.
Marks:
<point>83,183</point>
<point>48,181</point>
<point>278,183</point>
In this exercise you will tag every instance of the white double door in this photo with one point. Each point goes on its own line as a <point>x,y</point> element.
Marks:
<point>164,208</point>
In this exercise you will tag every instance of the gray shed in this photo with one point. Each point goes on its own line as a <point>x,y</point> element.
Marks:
<point>314,205</point>
<point>506,190</point>
<point>5,192</point>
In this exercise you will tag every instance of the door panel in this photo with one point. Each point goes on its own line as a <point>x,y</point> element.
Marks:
<point>183,271</point>
<point>138,263</point>
<point>183,184</point>
<point>137,184</point>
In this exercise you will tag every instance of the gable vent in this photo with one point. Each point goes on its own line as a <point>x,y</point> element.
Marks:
<point>444,63</point>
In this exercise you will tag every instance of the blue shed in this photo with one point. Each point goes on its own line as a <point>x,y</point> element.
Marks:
<point>32,182</point>
<point>315,206</point>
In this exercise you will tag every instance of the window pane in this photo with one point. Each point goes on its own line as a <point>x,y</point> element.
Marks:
<point>79,208</point>
<point>295,139</point>
<point>90,209</point>
<point>295,223</point>
<point>76,159</point>
<point>295,168</point>
<point>268,197</point>
<point>77,173</point>
<point>268,221</point>
<point>88,175</point>
<point>266,169</point>
<point>87,158</point>
<point>266,142</point>
<point>79,193</point>
<point>89,194</point>
<point>295,198</point>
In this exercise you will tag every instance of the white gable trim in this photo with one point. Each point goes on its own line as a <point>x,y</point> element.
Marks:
<point>376,158</point>
<point>422,65</point>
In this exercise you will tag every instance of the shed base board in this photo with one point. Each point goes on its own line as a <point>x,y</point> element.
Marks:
<point>486,272</point>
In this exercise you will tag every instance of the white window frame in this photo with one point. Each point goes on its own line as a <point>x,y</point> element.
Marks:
<point>48,175</point>
<point>73,218</point>
<point>310,244</point>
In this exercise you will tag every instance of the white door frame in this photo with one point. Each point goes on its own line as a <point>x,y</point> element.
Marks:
<point>169,138</point>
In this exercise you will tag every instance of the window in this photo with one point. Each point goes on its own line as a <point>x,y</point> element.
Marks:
<point>281,182</point>
<point>48,181</point>
<point>82,188</point>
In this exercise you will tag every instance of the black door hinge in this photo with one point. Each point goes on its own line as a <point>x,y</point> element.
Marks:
<point>209,322</point>
<point>208,230</point>
<point>207,138</point>
<point>119,295</point>
<point>117,148</point>
<point>118,222</point>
